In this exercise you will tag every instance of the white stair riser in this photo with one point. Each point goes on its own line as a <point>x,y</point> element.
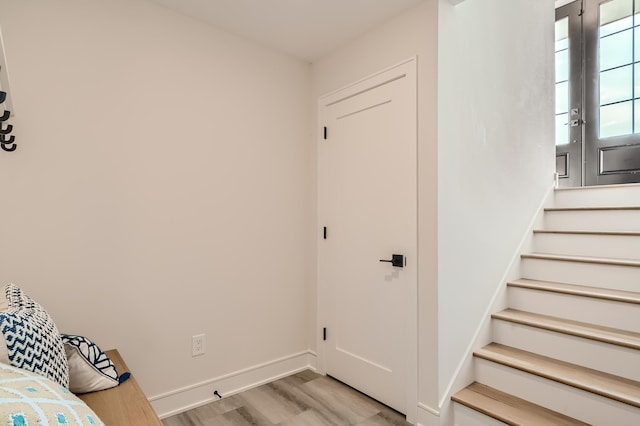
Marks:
<point>573,402</point>
<point>593,220</point>
<point>614,277</point>
<point>585,309</point>
<point>611,359</point>
<point>611,246</point>
<point>627,195</point>
<point>465,416</point>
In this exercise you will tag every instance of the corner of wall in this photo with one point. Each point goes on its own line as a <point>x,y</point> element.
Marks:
<point>180,400</point>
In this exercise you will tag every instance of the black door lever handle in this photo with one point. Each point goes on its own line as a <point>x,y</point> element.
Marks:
<point>396,260</point>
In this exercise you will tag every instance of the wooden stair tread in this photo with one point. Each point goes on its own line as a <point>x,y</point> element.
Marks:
<point>592,187</point>
<point>510,409</point>
<point>600,233</point>
<point>614,336</point>
<point>597,382</point>
<point>583,259</point>
<point>591,208</point>
<point>578,290</point>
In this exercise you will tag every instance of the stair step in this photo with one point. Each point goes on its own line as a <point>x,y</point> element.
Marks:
<point>589,243</point>
<point>627,339</point>
<point>603,195</point>
<point>508,408</point>
<point>578,290</point>
<point>579,232</point>
<point>613,273</point>
<point>613,359</point>
<point>603,384</point>
<point>614,219</point>
<point>583,259</point>
<point>592,208</point>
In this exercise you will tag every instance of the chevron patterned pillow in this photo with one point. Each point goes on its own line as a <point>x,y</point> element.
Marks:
<point>30,339</point>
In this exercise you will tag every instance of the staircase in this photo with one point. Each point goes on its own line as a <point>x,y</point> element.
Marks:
<point>567,349</point>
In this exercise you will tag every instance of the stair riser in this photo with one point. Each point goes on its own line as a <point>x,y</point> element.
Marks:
<point>614,277</point>
<point>611,359</point>
<point>465,416</point>
<point>600,197</point>
<point>573,402</point>
<point>611,246</point>
<point>585,309</point>
<point>593,220</point>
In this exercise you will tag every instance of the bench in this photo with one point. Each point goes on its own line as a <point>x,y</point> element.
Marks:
<point>124,405</point>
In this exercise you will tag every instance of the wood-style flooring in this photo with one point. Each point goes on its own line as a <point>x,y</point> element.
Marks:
<point>303,399</point>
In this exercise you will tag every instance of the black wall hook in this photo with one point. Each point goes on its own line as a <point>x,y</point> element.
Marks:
<point>6,115</point>
<point>7,141</point>
<point>3,96</point>
<point>7,130</point>
<point>4,142</point>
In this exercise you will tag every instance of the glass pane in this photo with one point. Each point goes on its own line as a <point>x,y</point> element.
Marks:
<point>562,97</point>
<point>562,34</point>
<point>636,72</point>
<point>562,66</point>
<point>562,29</point>
<point>613,14</point>
<point>614,27</point>
<point>636,43</point>
<point>616,50</point>
<point>636,116</point>
<point>615,120</point>
<point>562,129</point>
<point>616,85</point>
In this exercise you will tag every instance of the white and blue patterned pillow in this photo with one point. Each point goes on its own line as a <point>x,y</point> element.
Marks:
<point>90,369</point>
<point>27,398</point>
<point>30,339</point>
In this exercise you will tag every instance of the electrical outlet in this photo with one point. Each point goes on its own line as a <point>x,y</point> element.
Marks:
<point>197,345</point>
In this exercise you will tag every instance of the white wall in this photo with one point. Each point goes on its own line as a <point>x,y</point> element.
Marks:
<point>412,33</point>
<point>160,186</point>
<point>495,153</point>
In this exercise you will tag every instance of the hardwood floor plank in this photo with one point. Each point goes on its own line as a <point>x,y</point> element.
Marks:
<point>302,399</point>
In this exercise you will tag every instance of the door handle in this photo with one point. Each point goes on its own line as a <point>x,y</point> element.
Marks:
<point>396,260</point>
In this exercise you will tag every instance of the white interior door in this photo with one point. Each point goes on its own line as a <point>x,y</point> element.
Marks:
<point>367,200</point>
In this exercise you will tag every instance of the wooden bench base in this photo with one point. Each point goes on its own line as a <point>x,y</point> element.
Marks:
<point>124,405</point>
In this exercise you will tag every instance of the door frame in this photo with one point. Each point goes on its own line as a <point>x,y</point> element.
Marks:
<point>573,152</point>
<point>324,311</point>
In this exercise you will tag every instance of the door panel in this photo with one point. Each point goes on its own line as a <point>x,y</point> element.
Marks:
<point>367,186</point>
<point>598,105</point>
<point>613,130</point>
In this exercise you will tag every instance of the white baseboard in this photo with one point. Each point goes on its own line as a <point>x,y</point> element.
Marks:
<point>427,416</point>
<point>198,394</point>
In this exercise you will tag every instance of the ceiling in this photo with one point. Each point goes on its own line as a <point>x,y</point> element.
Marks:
<point>306,29</point>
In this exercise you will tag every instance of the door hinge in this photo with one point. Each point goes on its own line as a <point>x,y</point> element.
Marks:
<point>324,333</point>
<point>324,233</point>
<point>325,133</point>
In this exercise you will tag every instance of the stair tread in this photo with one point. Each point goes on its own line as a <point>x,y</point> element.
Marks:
<point>592,187</point>
<point>583,259</point>
<point>587,379</point>
<point>508,408</point>
<point>614,336</point>
<point>579,232</point>
<point>590,208</point>
<point>578,290</point>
